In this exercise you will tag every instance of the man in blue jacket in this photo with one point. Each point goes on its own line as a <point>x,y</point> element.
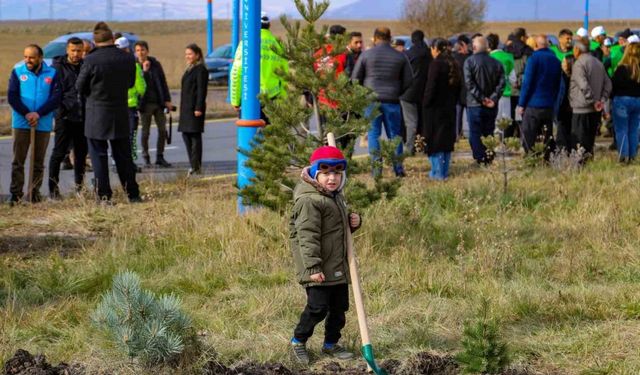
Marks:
<point>34,94</point>
<point>540,87</point>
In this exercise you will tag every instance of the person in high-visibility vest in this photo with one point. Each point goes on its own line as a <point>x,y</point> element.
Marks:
<point>271,61</point>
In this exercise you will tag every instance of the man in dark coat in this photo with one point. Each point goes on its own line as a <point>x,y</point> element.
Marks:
<point>485,82</point>
<point>538,95</point>
<point>461,53</point>
<point>156,99</point>
<point>69,126</point>
<point>104,80</point>
<point>419,57</point>
<point>388,74</point>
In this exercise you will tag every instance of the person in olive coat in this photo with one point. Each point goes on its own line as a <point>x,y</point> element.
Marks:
<point>193,100</point>
<point>439,107</point>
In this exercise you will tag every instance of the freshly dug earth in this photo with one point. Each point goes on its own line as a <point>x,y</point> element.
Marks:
<point>418,364</point>
<point>23,363</point>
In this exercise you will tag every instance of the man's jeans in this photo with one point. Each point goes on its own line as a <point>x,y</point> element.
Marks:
<point>391,117</point>
<point>482,123</point>
<point>626,119</point>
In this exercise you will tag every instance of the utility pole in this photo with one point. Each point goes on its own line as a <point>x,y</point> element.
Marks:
<point>50,9</point>
<point>164,11</point>
<point>109,10</point>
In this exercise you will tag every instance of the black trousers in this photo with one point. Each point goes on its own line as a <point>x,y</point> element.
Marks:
<point>121,152</point>
<point>583,130</point>
<point>193,142</point>
<point>330,302</point>
<point>536,123</point>
<point>563,134</point>
<point>68,134</point>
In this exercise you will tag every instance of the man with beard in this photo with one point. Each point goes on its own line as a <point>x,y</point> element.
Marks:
<point>69,119</point>
<point>34,94</point>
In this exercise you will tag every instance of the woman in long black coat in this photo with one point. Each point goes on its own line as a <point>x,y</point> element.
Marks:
<point>193,101</point>
<point>439,108</point>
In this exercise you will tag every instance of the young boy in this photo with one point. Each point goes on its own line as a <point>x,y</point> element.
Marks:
<point>319,245</point>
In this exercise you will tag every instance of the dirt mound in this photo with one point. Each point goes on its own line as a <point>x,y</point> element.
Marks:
<point>428,363</point>
<point>23,363</point>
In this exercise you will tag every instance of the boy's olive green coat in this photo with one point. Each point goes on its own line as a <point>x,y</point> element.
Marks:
<point>317,234</point>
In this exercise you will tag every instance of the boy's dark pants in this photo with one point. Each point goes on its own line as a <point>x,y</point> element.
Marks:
<point>330,302</point>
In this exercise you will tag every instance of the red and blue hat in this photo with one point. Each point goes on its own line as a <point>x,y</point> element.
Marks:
<point>328,155</point>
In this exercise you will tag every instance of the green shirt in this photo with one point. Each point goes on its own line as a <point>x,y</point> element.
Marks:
<point>138,89</point>
<point>617,52</point>
<point>270,61</point>
<point>559,54</point>
<point>506,59</point>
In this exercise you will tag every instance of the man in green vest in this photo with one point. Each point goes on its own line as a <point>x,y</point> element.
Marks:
<point>565,44</point>
<point>506,59</point>
<point>271,61</point>
<point>598,50</point>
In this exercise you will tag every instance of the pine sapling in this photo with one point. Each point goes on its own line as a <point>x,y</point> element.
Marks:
<point>150,328</point>
<point>483,349</point>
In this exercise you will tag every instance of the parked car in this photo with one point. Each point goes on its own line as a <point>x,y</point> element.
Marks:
<point>218,64</point>
<point>407,40</point>
<point>58,46</point>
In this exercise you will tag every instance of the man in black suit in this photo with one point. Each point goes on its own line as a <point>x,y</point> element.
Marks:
<point>104,80</point>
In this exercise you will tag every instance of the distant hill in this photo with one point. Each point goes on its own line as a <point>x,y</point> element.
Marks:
<point>500,10</point>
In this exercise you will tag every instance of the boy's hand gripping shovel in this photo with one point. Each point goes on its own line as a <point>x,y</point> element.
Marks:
<point>367,349</point>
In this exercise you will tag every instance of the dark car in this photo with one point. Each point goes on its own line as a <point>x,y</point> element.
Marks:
<point>407,40</point>
<point>58,46</point>
<point>218,64</point>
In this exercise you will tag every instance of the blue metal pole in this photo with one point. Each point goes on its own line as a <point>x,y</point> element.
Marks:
<point>235,35</point>
<point>586,15</point>
<point>250,121</point>
<point>209,27</point>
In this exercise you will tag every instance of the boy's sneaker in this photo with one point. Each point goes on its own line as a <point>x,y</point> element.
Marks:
<point>299,353</point>
<point>337,351</point>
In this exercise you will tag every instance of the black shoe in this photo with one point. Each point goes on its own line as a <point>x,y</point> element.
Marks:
<point>147,161</point>
<point>192,172</point>
<point>66,163</point>
<point>55,195</point>
<point>14,200</point>
<point>137,199</point>
<point>401,174</point>
<point>36,197</point>
<point>299,353</point>
<point>161,162</point>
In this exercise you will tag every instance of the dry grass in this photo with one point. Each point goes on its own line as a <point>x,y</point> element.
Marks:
<point>558,258</point>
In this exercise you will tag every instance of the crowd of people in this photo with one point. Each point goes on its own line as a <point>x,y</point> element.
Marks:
<point>97,92</point>
<point>557,95</point>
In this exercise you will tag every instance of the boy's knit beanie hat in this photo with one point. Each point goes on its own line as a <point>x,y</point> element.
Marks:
<point>327,155</point>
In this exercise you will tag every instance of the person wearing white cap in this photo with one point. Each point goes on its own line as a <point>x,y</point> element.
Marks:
<point>598,36</point>
<point>271,84</point>
<point>633,39</point>
<point>582,33</point>
<point>135,94</point>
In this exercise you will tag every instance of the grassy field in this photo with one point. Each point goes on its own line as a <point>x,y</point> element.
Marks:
<point>558,257</point>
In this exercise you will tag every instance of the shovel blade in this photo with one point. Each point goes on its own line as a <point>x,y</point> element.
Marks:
<point>367,354</point>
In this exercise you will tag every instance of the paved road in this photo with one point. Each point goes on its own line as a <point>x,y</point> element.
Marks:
<point>219,157</point>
